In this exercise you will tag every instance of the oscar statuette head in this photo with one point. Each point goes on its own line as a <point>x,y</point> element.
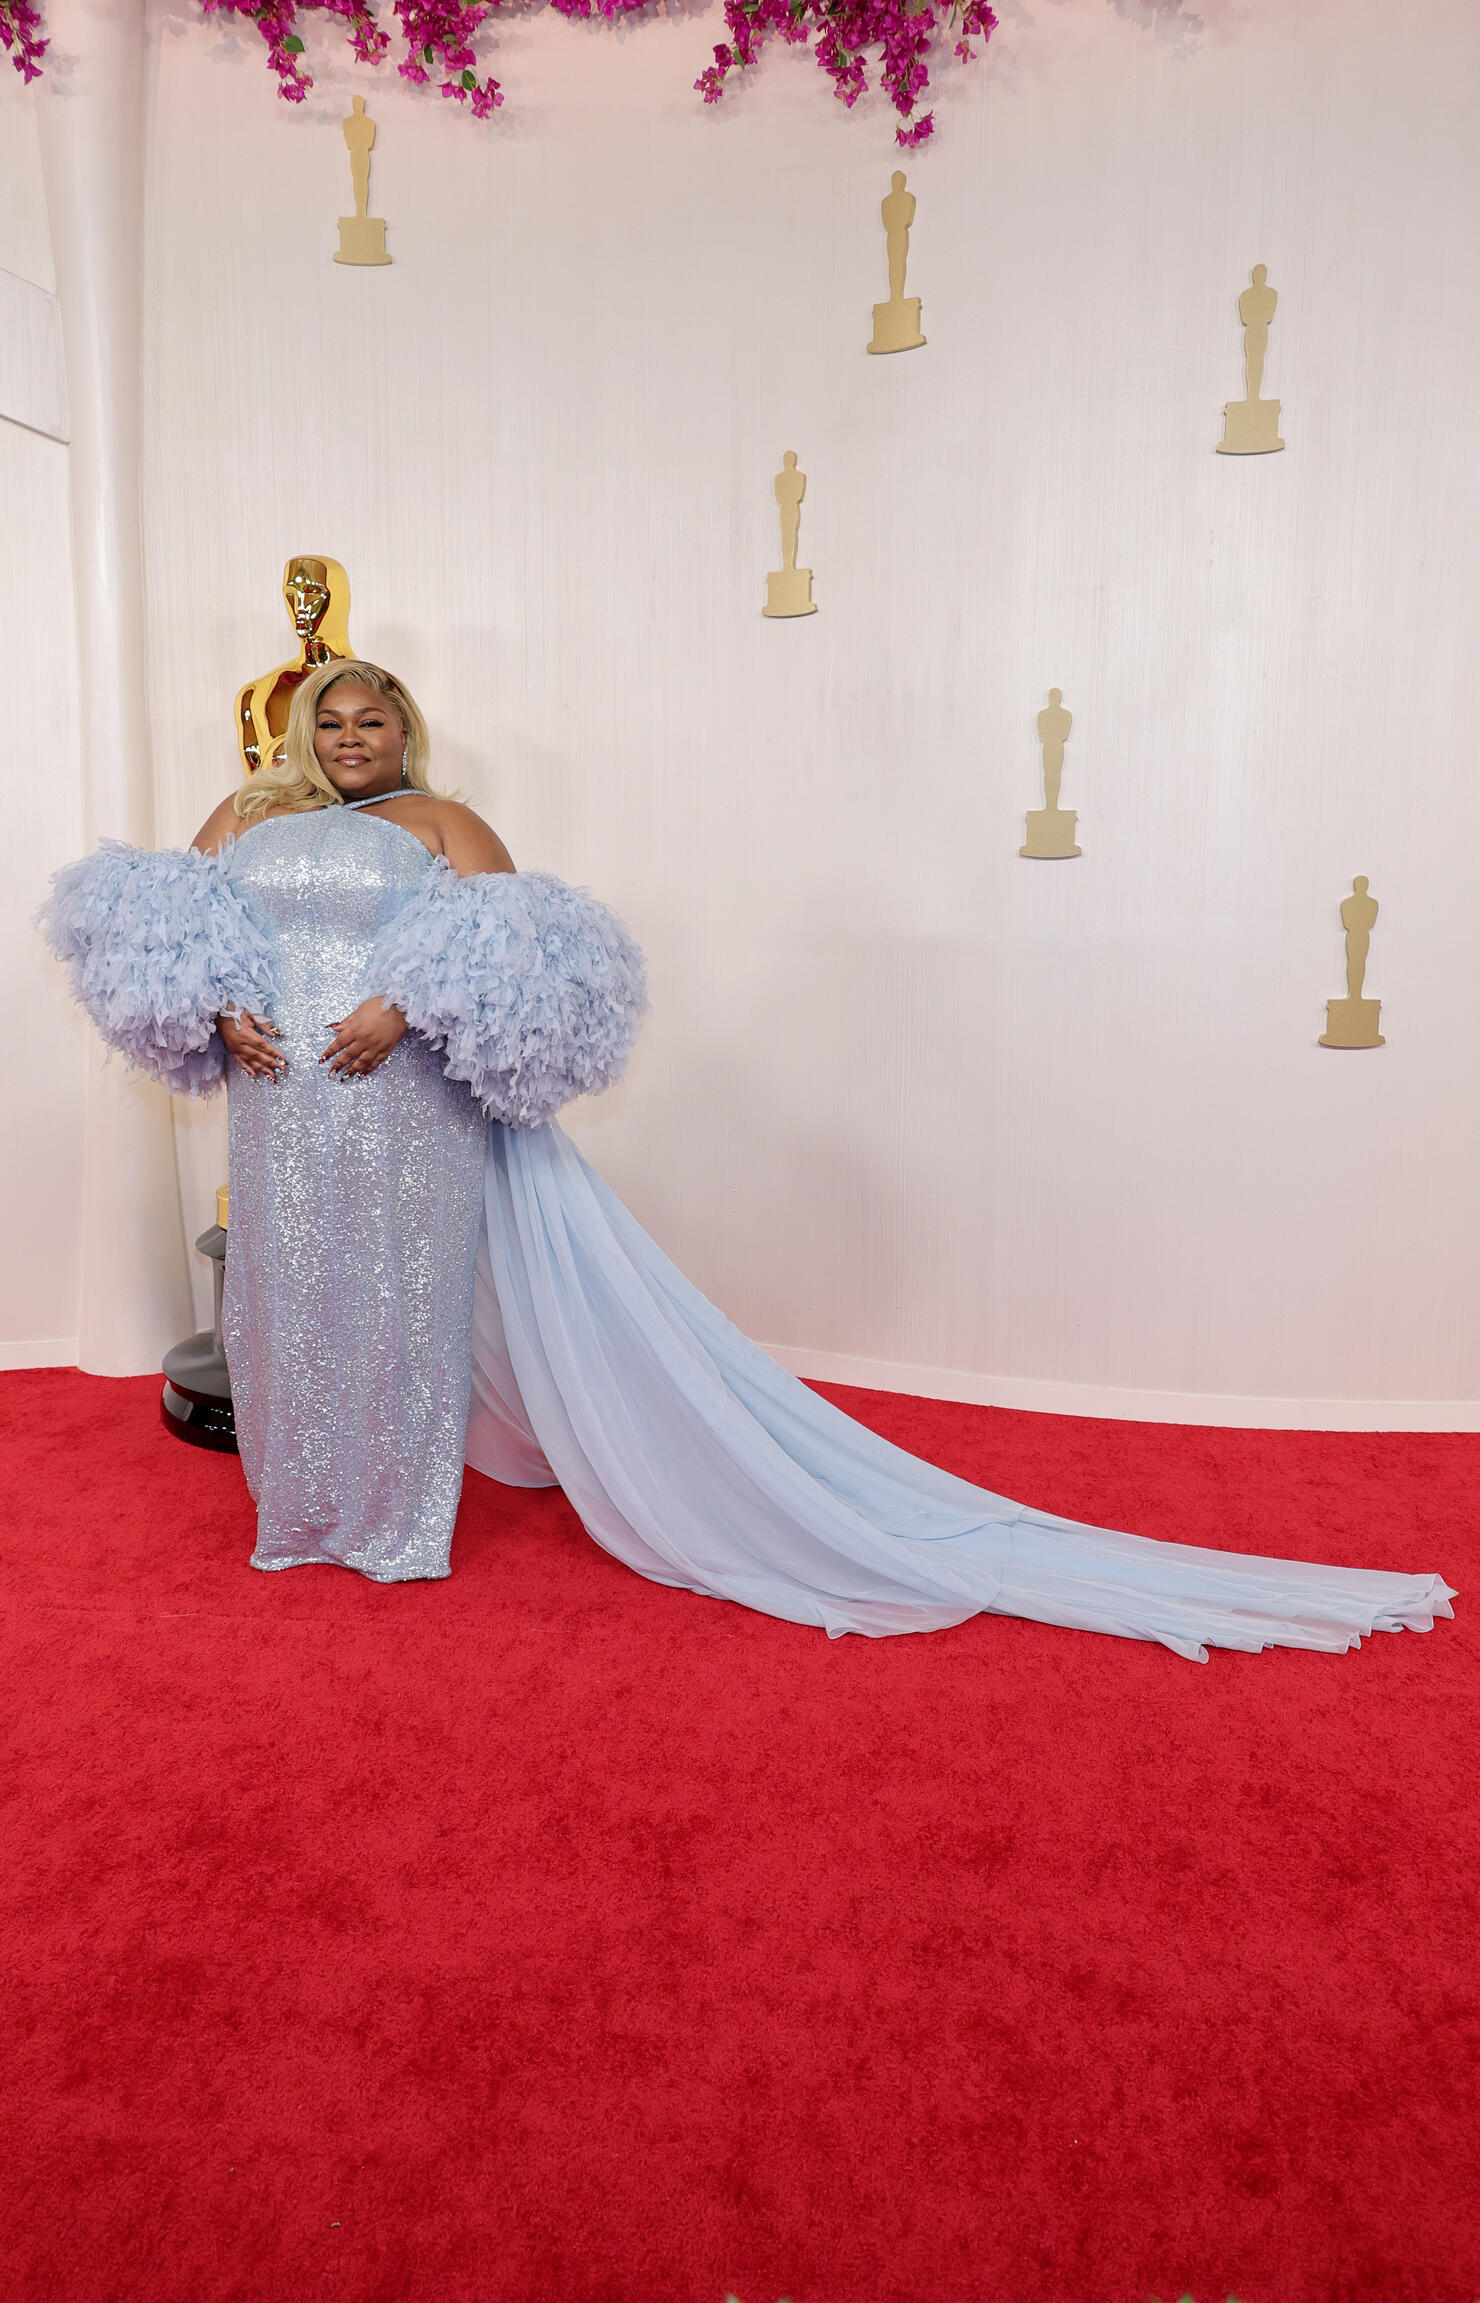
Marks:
<point>306,591</point>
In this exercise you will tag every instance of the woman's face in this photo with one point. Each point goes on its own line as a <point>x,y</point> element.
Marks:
<point>358,739</point>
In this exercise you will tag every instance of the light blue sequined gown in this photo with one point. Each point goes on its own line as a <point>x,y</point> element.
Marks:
<point>355,1207</point>
<point>356,1292</point>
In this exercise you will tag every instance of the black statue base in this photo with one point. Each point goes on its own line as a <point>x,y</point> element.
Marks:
<point>203,1421</point>
<point>196,1404</point>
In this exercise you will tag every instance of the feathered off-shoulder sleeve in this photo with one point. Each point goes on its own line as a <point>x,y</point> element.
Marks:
<point>535,991</point>
<point>157,944</point>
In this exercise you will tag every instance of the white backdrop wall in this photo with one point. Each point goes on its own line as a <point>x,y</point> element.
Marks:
<point>911,1109</point>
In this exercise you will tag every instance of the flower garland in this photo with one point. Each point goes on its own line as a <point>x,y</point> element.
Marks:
<point>437,33</point>
<point>438,37</point>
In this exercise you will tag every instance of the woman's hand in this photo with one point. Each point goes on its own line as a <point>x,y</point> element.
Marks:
<point>249,1039</point>
<point>363,1041</point>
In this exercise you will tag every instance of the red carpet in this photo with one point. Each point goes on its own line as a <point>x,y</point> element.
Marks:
<point>545,1934</point>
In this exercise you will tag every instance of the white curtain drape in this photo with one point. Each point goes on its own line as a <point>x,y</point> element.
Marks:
<point>135,1298</point>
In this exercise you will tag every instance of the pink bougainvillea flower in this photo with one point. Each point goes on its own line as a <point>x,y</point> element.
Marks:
<point>843,33</point>
<point>20,31</point>
<point>436,34</point>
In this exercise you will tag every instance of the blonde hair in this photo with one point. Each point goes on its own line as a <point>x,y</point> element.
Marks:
<point>292,781</point>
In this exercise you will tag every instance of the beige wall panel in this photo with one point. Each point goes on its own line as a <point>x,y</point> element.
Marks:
<point>906,1101</point>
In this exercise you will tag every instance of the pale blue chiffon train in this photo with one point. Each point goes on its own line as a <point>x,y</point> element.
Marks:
<point>694,1458</point>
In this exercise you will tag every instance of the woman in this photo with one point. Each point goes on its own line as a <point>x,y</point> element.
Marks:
<point>380,985</point>
<point>356,1167</point>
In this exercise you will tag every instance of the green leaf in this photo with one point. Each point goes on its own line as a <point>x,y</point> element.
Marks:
<point>468,80</point>
<point>293,44</point>
<point>426,53</point>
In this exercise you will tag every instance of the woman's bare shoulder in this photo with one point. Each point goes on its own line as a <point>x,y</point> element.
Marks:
<point>468,843</point>
<point>219,829</point>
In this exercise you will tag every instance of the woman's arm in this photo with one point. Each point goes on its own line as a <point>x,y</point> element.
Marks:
<point>532,988</point>
<point>158,944</point>
<point>246,1037</point>
<point>468,843</point>
<point>219,829</point>
<point>362,1041</point>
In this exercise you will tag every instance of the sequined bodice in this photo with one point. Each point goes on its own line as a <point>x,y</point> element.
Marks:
<point>321,887</point>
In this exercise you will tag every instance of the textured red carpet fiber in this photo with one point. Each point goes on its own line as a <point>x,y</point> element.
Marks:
<point>545,1934</point>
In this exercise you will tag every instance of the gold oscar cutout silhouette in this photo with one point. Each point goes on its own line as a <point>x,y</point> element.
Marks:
<point>897,323</point>
<point>1251,426</point>
<point>316,593</point>
<point>361,236</point>
<point>1352,1022</point>
<point>789,588</point>
<point>1051,828</point>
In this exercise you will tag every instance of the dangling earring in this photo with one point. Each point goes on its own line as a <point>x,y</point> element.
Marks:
<point>405,779</point>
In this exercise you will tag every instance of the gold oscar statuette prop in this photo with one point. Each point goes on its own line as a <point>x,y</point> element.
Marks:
<point>1251,426</point>
<point>1051,828</point>
<point>1352,1022</point>
<point>897,323</point>
<point>361,236</point>
<point>789,588</point>
<point>316,593</point>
